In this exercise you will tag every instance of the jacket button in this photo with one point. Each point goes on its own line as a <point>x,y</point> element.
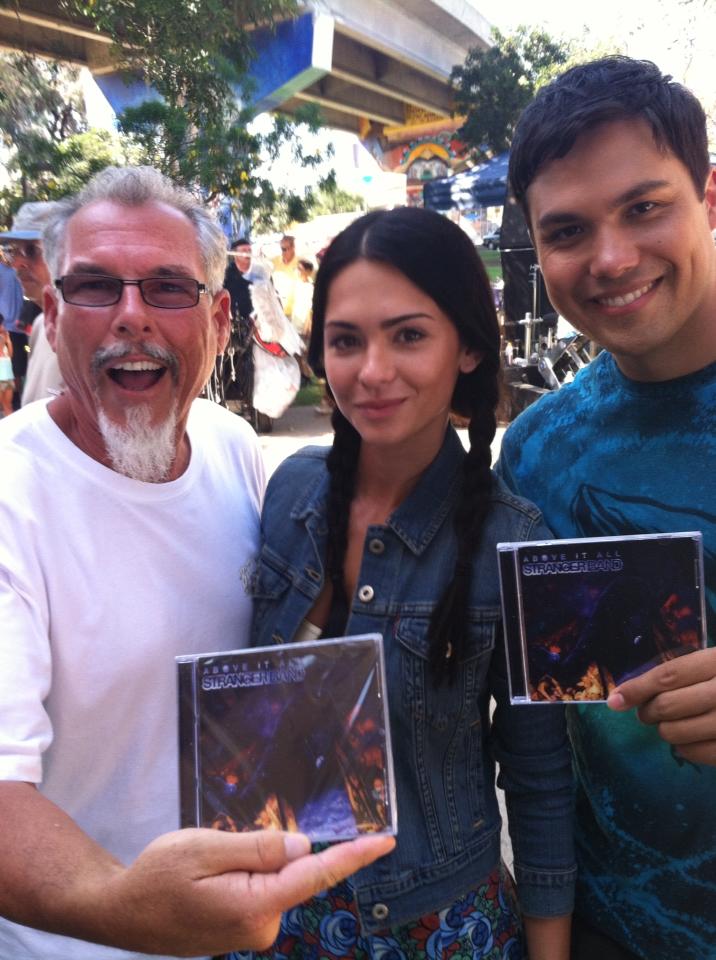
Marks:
<point>313,574</point>
<point>376,546</point>
<point>366,594</point>
<point>380,911</point>
<point>276,638</point>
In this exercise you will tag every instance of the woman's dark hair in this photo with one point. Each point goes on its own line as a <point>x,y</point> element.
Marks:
<point>440,259</point>
<point>601,91</point>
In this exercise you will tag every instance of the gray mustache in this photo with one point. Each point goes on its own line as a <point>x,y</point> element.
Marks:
<point>105,355</point>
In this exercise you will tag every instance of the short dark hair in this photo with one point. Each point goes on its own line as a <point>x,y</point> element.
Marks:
<point>610,89</point>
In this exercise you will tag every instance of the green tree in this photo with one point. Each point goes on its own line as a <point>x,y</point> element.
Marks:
<point>330,198</point>
<point>283,209</point>
<point>197,57</point>
<point>47,149</point>
<point>194,54</point>
<point>223,156</point>
<point>38,97</point>
<point>494,86</point>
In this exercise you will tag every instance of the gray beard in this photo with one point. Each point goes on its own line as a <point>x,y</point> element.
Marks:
<point>140,449</point>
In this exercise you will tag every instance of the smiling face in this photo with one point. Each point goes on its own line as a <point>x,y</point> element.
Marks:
<point>392,358</point>
<point>130,354</point>
<point>624,244</point>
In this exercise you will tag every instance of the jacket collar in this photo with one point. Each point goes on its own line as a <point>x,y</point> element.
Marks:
<point>419,517</point>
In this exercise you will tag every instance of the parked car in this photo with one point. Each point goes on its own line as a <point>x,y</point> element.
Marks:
<point>492,240</point>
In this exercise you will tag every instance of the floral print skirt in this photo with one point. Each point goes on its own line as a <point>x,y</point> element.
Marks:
<point>482,925</point>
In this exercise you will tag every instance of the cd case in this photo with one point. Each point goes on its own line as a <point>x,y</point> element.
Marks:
<point>289,737</point>
<point>582,616</point>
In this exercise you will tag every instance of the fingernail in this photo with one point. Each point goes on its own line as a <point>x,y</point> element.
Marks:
<point>296,845</point>
<point>616,701</point>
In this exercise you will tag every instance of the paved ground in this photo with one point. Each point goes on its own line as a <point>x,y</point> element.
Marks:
<point>300,426</point>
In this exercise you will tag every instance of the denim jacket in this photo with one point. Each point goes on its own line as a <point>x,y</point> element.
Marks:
<point>444,742</point>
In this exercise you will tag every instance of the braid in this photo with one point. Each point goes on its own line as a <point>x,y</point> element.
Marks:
<point>448,625</point>
<point>439,259</point>
<point>342,465</point>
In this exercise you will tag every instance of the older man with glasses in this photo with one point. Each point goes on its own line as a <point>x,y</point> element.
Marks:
<point>24,252</point>
<point>130,518</point>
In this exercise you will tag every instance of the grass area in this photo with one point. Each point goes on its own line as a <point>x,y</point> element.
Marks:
<point>310,395</point>
<point>493,265</point>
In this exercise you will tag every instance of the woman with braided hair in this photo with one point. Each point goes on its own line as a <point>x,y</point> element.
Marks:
<point>393,530</point>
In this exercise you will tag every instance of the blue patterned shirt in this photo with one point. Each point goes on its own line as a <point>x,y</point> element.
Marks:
<point>606,456</point>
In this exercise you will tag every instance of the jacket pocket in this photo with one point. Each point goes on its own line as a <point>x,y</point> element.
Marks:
<point>272,579</point>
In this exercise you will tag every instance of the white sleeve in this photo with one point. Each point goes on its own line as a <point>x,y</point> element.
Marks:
<point>25,661</point>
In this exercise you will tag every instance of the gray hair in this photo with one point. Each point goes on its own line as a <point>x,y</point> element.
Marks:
<point>133,187</point>
<point>34,215</point>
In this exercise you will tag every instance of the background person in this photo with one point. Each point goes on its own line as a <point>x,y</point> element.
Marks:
<point>10,293</point>
<point>129,515</point>
<point>393,530</point>
<point>24,249</point>
<point>303,299</point>
<point>7,377</point>
<point>611,166</point>
<point>286,274</point>
<point>235,368</point>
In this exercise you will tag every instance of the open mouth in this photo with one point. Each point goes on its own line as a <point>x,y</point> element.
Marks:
<point>136,375</point>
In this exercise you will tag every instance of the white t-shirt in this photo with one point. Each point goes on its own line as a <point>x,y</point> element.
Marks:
<point>103,581</point>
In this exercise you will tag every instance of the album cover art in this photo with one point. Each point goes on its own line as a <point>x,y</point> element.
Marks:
<point>582,616</point>
<point>289,737</point>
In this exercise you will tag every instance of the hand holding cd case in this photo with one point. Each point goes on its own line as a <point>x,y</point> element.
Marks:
<point>289,737</point>
<point>582,616</point>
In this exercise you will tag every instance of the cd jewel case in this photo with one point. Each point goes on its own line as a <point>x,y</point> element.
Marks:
<point>582,616</point>
<point>289,737</point>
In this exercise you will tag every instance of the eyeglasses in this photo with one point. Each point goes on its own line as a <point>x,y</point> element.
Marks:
<point>25,249</point>
<point>94,290</point>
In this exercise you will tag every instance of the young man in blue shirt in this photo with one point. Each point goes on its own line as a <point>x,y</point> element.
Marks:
<point>611,167</point>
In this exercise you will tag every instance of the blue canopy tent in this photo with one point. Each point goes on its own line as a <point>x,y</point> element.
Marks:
<point>483,186</point>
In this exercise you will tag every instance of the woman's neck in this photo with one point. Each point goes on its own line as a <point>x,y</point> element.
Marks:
<point>386,478</point>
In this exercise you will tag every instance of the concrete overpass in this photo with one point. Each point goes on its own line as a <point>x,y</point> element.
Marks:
<point>369,64</point>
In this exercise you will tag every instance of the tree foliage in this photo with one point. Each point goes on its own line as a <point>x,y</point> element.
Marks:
<point>197,58</point>
<point>330,198</point>
<point>38,97</point>
<point>192,53</point>
<point>286,208</point>
<point>226,157</point>
<point>196,127</point>
<point>493,86</point>
<point>47,149</point>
